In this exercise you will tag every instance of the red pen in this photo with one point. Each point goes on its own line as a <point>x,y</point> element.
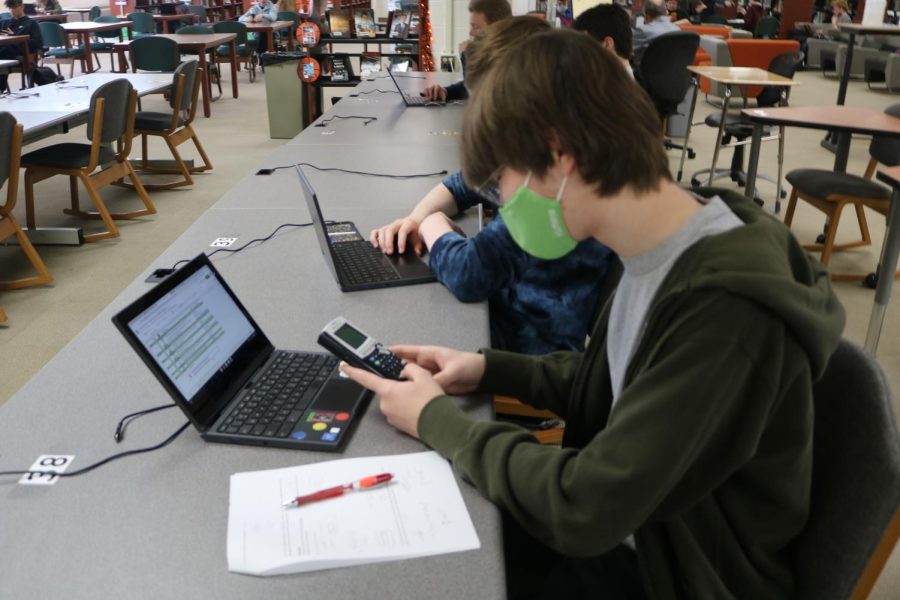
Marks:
<point>366,483</point>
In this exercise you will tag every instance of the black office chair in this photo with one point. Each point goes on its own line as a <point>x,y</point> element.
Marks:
<point>853,514</point>
<point>740,128</point>
<point>664,76</point>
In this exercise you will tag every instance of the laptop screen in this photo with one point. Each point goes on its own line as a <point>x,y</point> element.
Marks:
<point>197,339</point>
<point>315,213</point>
<point>192,331</point>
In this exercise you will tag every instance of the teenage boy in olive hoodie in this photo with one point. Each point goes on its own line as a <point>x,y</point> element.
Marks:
<point>685,470</point>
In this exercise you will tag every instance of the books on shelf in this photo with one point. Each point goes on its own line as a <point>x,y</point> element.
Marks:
<point>338,23</point>
<point>341,69</point>
<point>369,62</point>
<point>364,22</point>
<point>398,28</point>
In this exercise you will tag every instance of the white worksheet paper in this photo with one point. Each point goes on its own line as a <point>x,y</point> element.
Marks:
<point>420,513</point>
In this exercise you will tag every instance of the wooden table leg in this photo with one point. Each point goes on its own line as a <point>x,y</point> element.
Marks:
<point>165,26</point>
<point>204,77</point>
<point>26,64</point>
<point>290,39</point>
<point>88,55</point>
<point>234,81</point>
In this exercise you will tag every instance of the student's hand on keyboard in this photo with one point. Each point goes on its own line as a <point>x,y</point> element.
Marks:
<point>406,232</point>
<point>436,93</point>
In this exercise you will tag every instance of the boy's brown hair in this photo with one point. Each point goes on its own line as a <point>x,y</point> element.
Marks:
<point>493,10</point>
<point>493,44</point>
<point>564,89</point>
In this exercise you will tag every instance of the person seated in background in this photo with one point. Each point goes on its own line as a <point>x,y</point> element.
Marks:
<point>482,14</point>
<point>676,12</point>
<point>752,13</point>
<point>537,303</point>
<point>656,23</point>
<point>262,11</point>
<point>610,25</point>
<point>18,24</point>
<point>702,11</point>
<point>686,465</point>
<point>840,12</point>
<point>48,7</point>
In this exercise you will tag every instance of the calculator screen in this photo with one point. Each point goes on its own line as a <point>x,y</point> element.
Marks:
<point>353,337</point>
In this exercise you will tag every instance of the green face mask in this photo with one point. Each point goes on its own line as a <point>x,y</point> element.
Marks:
<point>536,223</point>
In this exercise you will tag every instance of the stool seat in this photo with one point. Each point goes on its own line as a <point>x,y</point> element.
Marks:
<point>822,183</point>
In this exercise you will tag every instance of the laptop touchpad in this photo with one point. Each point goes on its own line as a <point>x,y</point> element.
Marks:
<point>338,395</point>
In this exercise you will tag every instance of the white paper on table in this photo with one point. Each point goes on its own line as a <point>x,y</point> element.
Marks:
<point>420,513</point>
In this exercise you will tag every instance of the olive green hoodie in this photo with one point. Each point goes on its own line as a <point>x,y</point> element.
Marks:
<point>706,457</point>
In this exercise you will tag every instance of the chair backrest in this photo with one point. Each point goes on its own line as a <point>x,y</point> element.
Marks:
<point>143,22</point>
<point>52,34</point>
<point>189,69</point>
<point>94,14</point>
<point>5,15</point>
<point>232,27</point>
<point>768,27</point>
<point>116,96</point>
<point>784,64</point>
<point>195,29</point>
<point>856,476</point>
<point>663,71</point>
<point>717,19</point>
<point>289,15</point>
<point>154,53</point>
<point>7,131</point>
<point>886,150</point>
<point>113,33</point>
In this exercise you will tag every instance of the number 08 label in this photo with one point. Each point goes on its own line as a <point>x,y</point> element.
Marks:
<point>50,466</point>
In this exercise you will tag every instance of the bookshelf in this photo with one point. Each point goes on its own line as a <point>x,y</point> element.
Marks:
<point>223,10</point>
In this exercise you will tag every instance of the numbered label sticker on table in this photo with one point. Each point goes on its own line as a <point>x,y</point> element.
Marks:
<point>50,466</point>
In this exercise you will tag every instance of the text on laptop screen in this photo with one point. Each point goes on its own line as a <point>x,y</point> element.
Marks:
<point>192,331</point>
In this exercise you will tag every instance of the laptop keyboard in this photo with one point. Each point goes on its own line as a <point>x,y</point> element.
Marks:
<point>277,400</point>
<point>361,263</point>
<point>410,99</point>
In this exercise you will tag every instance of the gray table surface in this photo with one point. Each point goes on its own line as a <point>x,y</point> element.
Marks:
<point>154,525</point>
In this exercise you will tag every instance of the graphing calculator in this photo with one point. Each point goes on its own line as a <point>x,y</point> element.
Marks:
<point>359,350</point>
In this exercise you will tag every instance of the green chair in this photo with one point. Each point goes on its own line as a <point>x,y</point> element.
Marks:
<point>243,50</point>
<point>58,48</point>
<point>5,15</point>
<point>100,46</point>
<point>154,53</point>
<point>10,151</point>
<point>287,15</point>
<point>144,24</point>
<point>174,127</point>
<point>110,124</point>
<point>94,14</point>
<point>768,28</point>
<point>211,66</point>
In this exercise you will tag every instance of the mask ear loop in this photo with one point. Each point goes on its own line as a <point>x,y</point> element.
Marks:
<point>527,179</point>
<point>562,188</point>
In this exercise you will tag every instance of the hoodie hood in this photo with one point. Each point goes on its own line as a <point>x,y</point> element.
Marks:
<point>778,275</point>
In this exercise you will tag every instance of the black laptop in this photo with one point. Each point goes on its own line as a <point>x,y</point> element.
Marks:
<point>411,99</point>
<point>356,265</point>
<point>222,371</point>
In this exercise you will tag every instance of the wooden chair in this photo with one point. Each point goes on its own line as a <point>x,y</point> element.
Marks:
<point>853,522</point>
<point>174,128</point>
<point>10,151</point>
<point>830,192</point>
<point>504,405</point>
<point>244,51</point>
<point>110,120</point>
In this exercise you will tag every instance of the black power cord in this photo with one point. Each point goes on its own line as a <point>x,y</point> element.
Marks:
<point>106,460</point>
<point>366,173</point>
<point>119,435</point>
<point>372,92</point>
<point>366,120</point>
<point>233,250</point>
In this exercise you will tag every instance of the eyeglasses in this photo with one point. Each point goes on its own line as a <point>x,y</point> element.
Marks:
<point>490,189</point>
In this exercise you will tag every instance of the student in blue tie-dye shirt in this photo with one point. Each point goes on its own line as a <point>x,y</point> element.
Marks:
<point>536,306</point>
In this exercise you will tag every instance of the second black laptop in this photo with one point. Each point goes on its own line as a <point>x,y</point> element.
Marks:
<point>355,264</point>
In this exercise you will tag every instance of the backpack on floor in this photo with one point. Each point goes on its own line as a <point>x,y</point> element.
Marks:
<point>43,76</point>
